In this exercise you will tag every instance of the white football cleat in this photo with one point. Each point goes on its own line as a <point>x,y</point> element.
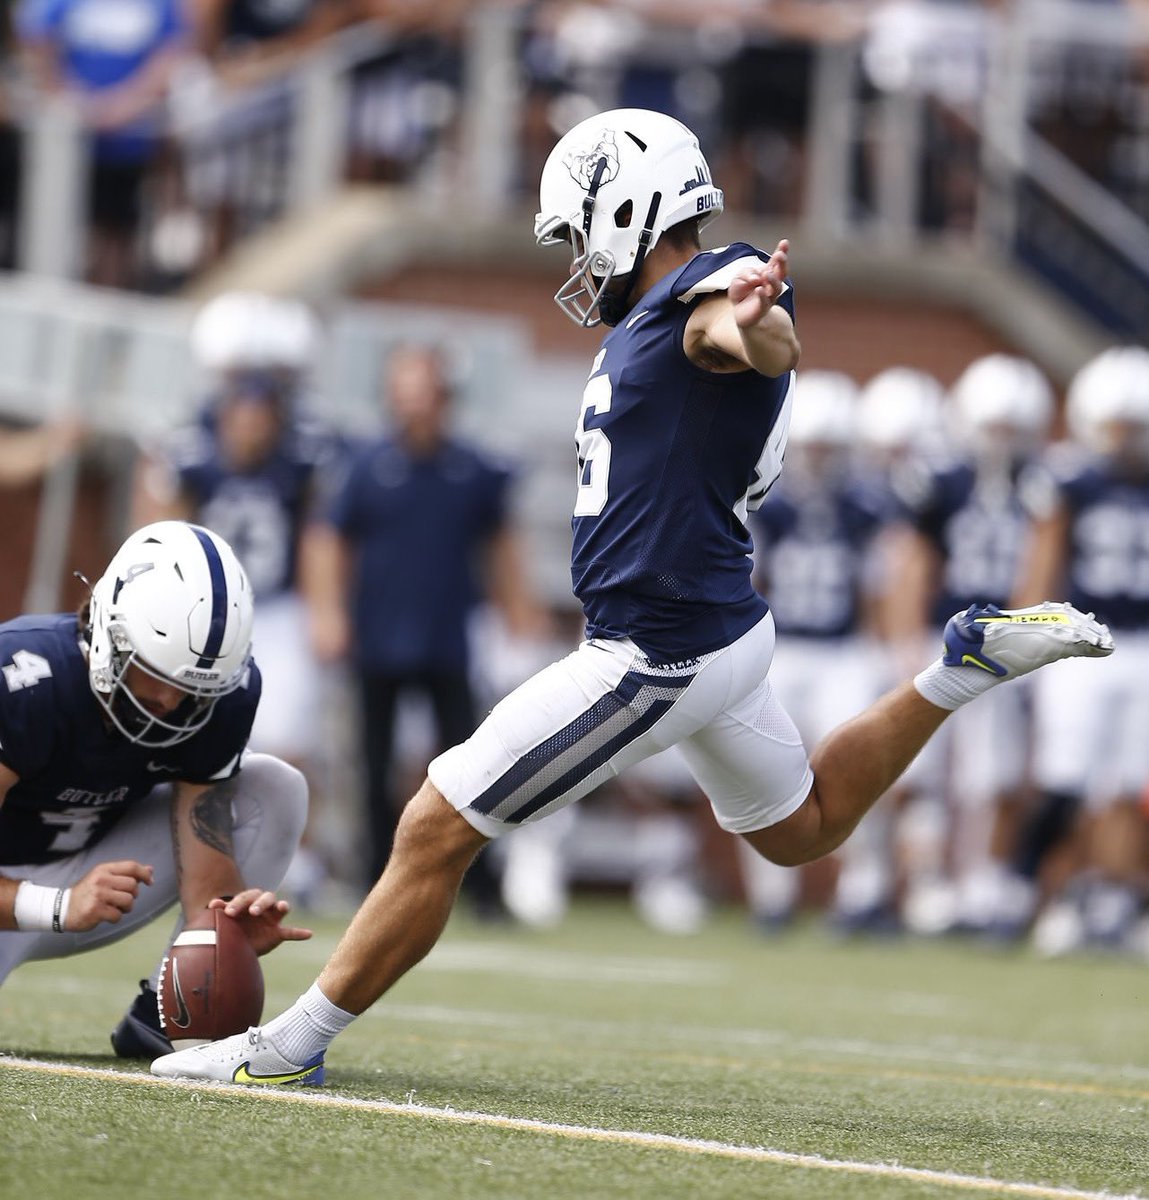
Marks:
<point>1012,642</point>
<point>244,1058</point>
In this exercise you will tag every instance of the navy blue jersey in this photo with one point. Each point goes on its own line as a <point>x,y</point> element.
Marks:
<point>811,547</point>
<point>670,457</point>
<point>417,526</point>
<point>978,524</point>
<point>1107,570</point>
<point>260,512</point>
<point>77,774</point>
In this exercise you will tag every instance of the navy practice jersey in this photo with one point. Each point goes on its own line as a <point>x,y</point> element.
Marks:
<point>416,526</point>
<point>1107,570</point>
<point>259,513</point>
<point>77,774</point>
<point>810,554</point>
<point>977,523</point>
<point>670,458</point>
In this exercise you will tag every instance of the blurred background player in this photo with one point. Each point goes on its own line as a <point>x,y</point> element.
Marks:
<point>1085,844</point>
<point>417,532</point>
<point>122,774</point>
<point>965,528</point>
<point>900,418</point>
<point>813,540</point>
<point>249,467</point>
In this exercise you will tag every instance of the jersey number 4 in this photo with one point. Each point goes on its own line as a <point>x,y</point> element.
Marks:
<point>25,670</point>
<point>593,448</point>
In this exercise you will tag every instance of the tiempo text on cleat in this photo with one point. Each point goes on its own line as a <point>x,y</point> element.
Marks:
<point>1012,642</point>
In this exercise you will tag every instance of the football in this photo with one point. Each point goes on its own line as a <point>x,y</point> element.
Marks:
<point>211,984</point>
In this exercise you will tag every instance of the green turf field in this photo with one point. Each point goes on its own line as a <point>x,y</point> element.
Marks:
<point>515,1064</point>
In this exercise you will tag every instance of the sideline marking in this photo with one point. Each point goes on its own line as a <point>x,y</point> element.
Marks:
<point>624,1137</point>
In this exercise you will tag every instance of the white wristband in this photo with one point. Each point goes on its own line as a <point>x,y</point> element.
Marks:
<point>40,909</point>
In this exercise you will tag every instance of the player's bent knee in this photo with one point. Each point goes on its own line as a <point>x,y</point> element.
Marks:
<point>282,790</point>
<point>794,840</point>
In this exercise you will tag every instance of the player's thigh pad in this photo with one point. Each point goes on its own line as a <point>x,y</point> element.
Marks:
<point>585,718</point>
<point>751,763</point>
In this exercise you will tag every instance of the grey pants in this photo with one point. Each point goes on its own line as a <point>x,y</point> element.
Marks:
<point>269,809</point>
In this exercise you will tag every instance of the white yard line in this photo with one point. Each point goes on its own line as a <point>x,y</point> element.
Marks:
<point>624,1137</point>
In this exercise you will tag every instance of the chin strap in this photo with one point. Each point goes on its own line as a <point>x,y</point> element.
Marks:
<point>614,308</point>
<point>591,193</point>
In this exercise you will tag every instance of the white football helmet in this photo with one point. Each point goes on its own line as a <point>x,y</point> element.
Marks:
<point>611,187</point>
<point>175,603</point>
<point>1003,401</point>
<point>900,410</point>
<point>250,331</point>
<point>824,409</point>
<point>1111,388</point>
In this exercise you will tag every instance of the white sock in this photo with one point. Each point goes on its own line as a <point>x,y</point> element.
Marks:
<point>951,687</point>
<point>308,1027</point>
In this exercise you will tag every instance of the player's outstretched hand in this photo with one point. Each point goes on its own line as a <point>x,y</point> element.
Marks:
<point>107,892</point>
<point>754,290</point>
<point>261,916</point>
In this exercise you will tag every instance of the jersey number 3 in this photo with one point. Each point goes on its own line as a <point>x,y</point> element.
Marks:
<point>593,448</point>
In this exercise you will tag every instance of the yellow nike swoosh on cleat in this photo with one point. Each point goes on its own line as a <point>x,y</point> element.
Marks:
<point>1025,619</point>
<point>243,1075</point>
<point>968,660</point>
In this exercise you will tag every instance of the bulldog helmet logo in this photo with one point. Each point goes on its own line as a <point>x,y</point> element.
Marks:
<point>582,164</point>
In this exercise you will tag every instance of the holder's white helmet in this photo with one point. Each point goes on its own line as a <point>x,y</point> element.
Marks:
<point>1112,387</point>
<point>824,409</point>
<point>175,603</point>
<point>1003,390</point>
<point>900,409</point>
<point>611,187</point>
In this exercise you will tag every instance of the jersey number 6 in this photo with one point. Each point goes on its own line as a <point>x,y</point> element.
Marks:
<point>593,449</point>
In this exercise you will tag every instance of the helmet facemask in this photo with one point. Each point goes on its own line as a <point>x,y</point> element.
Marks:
<point>139,724</point>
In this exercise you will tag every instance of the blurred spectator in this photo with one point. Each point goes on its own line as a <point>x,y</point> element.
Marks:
<point>233,110</point>
<point>406,98</point>
<point>249,467</point>
<point>28,454</point>
<point>116,59</point>
<point>248,41</point>
<point>766,77</point>
<point>416,535</point>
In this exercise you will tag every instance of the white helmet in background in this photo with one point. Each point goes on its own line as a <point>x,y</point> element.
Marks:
<point>824,410</point>
<point>611,187</point>
<point>250,331</point>
<point>1001,393</point>
<point>290,337</point>
<point>899,410</point>
<point>226,331</point>
<point>1113,387</point>
<point>175,603</point>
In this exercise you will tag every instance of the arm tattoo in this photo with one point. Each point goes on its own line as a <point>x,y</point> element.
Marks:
<point>211,819</point>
